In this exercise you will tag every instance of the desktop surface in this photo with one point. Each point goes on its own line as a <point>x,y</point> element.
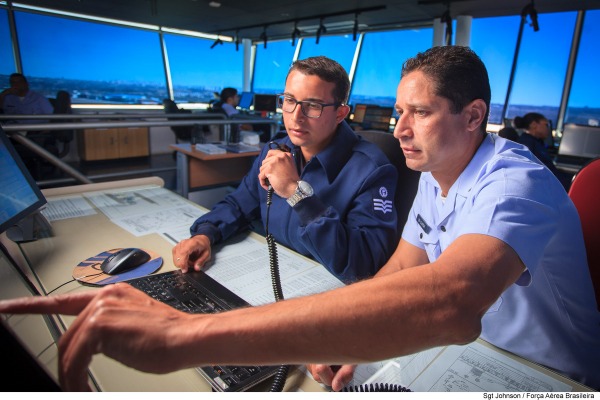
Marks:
<point>135,223</point>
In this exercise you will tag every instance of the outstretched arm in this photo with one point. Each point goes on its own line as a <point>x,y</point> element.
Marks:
<point>396,314</point>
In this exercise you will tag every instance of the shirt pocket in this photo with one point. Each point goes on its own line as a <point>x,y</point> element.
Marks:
<point>431,244</point>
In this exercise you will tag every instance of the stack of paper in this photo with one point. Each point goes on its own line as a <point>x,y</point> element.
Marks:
<point>209,148</point>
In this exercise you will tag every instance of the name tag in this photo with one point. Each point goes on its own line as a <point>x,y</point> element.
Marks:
<point>423,224</point>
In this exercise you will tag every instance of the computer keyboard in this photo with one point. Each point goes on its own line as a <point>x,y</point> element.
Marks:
<point>196,292</point>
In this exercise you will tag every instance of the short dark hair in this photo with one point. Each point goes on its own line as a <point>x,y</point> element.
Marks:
<point>227,93</point>
<point>527,119</point>
<point>17,75</point>
<point>328,70</point>
<point>458,73</point>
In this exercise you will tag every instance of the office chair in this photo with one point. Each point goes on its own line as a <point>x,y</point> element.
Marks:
<point>584,193</point>
<point>57,143</point>
<point>509,133</point>
<point>408,180</point>
<point>182,133</point>
<point>62,105</point>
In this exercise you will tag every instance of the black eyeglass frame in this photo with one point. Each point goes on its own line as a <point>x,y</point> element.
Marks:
<point>281,97</point>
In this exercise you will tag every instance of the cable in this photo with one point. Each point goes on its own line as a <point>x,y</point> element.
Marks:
<point>283,370</point>
<point>376,387</point>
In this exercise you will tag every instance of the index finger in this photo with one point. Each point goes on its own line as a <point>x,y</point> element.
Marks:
<point>69,304</point>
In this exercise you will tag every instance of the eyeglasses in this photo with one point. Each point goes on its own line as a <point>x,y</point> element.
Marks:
<point>311,109</point>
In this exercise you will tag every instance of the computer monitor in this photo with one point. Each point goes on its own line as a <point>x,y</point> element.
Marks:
<point>377,118</point>
<point>20,197</point>
<point>246,100</point>
<point>359,113</point>
<point>580,141</point>
<point>265,103</point>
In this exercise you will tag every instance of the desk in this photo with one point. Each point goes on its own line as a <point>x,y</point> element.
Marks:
<point>52,259</point>
<point>196,169</point>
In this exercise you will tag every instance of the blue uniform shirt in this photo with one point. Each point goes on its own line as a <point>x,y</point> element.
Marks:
<point>349,225</point>
<point>550,315</point>
<point>32,103</point>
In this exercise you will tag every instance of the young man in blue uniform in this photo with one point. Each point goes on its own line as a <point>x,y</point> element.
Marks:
<point>333,190</point>
<point>492,248</point>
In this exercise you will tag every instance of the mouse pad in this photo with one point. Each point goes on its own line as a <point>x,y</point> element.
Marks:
<point>89,272</point>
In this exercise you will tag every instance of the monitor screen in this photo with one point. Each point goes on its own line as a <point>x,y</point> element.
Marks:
<point>359,113</point>
<point>265,103</point>
<point>246,100</point>
<point>20,196</point>
<point>377,118</point>
<point>580,141</point>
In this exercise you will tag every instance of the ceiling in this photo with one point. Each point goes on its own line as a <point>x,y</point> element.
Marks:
<point>276,17</point>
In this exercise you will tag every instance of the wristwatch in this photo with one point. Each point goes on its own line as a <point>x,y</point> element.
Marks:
<point>303,190</point>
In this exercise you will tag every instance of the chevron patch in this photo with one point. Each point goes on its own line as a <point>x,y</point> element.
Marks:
<point>385,206</point>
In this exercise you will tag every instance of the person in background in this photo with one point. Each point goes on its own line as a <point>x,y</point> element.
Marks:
<point>535,129</point>
<point>228,101</point>
<point>492,248</point>
<point>18,99</point>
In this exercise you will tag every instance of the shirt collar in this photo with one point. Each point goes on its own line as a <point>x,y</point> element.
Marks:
<point>338,151</point>
<point>468,177</point>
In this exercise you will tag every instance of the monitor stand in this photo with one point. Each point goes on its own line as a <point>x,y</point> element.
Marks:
<point>30,228</point>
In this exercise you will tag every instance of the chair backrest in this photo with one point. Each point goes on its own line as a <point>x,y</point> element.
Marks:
<point>183,133</point>
<point>62,105</point>
<point>585,192</point>
<point>509,133</point>
<point>408,179</point>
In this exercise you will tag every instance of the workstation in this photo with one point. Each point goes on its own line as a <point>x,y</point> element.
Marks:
<point>136,174</point>
<point>85,223</point>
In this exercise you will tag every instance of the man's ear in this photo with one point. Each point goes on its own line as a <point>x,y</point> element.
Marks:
<point>475,113</point>
<point>342,112</point>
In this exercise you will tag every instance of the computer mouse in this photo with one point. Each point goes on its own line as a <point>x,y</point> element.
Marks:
<point>124,260</point>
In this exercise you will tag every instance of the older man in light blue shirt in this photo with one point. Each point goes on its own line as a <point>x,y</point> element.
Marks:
<point>548,315</point>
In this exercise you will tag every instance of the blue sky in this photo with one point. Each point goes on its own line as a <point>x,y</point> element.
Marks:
<point>50,49</point>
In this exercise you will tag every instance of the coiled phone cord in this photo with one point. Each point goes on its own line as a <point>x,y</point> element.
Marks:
<point>377,387</point>
<point>283,370</point>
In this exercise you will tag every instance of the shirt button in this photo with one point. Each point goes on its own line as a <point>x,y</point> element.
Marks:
<point>420,236</point>
<point>443,228</point>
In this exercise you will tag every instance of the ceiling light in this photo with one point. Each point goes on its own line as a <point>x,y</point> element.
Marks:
<point>217,42</point>
<point>530,10</point>
<point>214,4</point>
<point>447,19</point>
<point>321,30</point>
<point>295,33</point>
<point>263,36</point>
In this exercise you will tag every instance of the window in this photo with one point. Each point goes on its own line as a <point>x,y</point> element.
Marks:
<point>338,48</point>
<point>197,71</point>
<point>7,61</point>
<point>272,65</point>
<point>542,66</point>
<point>497,53</point>
<point>584,103</point>
<point>380,62</point>
<point>96,63</point>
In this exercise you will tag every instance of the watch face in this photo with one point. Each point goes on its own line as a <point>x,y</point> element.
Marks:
<point>305,188</point>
